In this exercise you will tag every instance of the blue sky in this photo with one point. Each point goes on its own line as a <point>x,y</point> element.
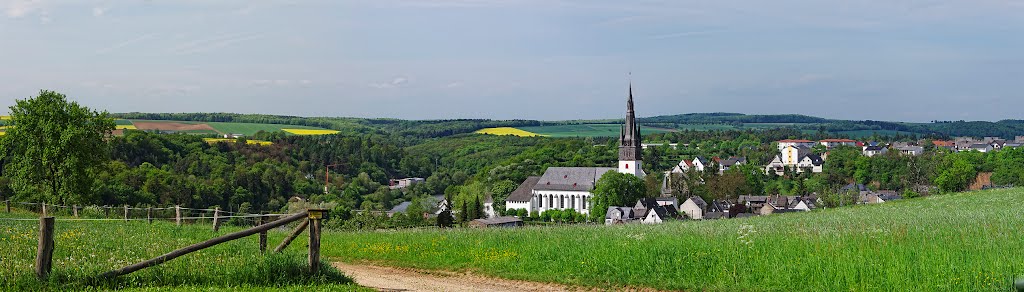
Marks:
<point>550,59</point>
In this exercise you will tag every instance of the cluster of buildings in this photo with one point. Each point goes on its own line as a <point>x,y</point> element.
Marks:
<point>986,144</point>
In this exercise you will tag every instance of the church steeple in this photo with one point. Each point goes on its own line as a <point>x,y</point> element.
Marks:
<point>630,145</point>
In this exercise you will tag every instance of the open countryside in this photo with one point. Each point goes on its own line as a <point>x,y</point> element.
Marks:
<point>470,145</point>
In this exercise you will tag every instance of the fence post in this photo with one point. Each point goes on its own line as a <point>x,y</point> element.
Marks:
<point>314,238</point>
<point>8,206</point>
<point>263,235</point>
<point>216,219</point>
<point>106,212</point>
<point>125,213</point>
<point>44,254</point>
<point>74,210</point>
<point>177,214</point>
<point>149,214</point>
<point>44,209</point>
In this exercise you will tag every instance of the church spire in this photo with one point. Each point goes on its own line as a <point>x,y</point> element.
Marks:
<point>629,141</point>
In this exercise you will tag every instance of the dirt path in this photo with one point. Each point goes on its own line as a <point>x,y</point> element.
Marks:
<point>398,279</point>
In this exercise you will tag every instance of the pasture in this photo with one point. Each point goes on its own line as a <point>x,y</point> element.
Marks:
<point>957,242</point>
<point>502,131</point>
<point>85,249</point>
<point>586,130</point>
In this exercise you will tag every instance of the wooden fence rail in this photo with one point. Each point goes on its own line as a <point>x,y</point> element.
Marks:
<point>202,245</point>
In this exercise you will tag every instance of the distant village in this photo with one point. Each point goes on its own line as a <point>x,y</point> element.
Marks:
<point>571,188</point>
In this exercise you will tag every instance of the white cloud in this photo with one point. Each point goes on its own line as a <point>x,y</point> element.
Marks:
<point>99,11</point>
<point>453,84</point>
<point>19,8</point>
<point>396,82</point>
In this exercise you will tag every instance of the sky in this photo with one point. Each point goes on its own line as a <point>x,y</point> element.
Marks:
<point>532,59</point>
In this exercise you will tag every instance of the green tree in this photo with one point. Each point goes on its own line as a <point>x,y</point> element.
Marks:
<point>615,189</point>
<point>53,147</point>
<point>500,191</point>
<point>957,177</point>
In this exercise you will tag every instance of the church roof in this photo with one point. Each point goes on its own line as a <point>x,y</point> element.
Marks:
<point>524,193</point>
<point>571,178</point>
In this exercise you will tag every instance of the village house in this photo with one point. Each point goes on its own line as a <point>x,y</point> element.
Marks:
<point>504,221</point>
<point>649,211</point>
<point>618,215</point>
<point>726,164</point>
<point>875,150</point>
<point>795,143</point>
<point>1018,139</point>
<point>694,207</point>
<point>570,188</point>
<point>833,143</point>
<point>799,158</point>
<point>402,183</point>
<point>910,150</point>
<point>980,147</point>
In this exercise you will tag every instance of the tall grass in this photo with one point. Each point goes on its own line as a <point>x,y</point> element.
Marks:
<point>85,249</point>
<point>958,242</point>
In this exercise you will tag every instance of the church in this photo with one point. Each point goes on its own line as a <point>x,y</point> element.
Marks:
<point>564,188</point>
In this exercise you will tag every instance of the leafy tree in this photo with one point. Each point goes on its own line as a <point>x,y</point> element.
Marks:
<point>500,191</point>
<point>957,177</point>
<point>53,147</point>
<point>615,189</point>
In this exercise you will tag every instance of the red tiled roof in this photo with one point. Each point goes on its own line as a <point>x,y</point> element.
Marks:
<point>839,141</point>
<point>795,141</point>
<point>941,143</point>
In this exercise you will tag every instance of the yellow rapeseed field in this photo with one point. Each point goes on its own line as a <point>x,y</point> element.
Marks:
<point>310,132</point>
<point>507,131</point>
<point>126,127</point>
<point>257,142</point>
<point>5,117</point>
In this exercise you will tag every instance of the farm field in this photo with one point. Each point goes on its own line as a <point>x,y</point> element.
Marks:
<point>219,128</point>
<point>506,131</point>
<point>229,140</point>
<point>85,249</point>
<point>957,242</point>
<point>586,130</point>
<point>310,131</point>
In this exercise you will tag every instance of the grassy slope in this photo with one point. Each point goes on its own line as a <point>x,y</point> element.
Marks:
<point>87,248</point>
<point>585,130</point>
<point>957,242</point>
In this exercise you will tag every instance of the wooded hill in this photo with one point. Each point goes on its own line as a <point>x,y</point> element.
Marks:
<point>442,128</point>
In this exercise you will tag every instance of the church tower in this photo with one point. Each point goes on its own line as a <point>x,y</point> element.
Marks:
<point>630,148</point>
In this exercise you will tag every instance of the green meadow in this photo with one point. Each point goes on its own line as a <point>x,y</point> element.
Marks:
<point>957,242</point>
<point>85,249</point>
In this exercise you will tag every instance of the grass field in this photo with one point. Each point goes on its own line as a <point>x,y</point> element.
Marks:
<point>85,249</point>
<point>957,242</point>
<point>502,131</point>
<point>247,141</point>
<point>585,130</point>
